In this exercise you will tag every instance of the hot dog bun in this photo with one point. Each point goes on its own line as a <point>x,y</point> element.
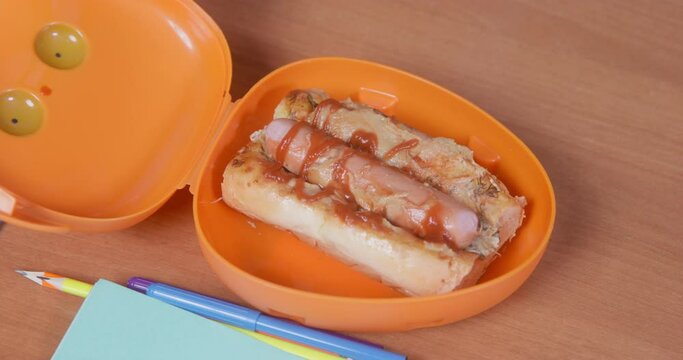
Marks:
<point>262,189</point>
<point>440,162</point>
<point>413,211</point>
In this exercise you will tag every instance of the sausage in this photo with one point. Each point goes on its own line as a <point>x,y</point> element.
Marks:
<point>376,187</point>
<point>257,186</point>
<point>440,162</point>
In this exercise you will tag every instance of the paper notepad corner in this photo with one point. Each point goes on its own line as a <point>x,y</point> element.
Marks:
<point>117,323</point>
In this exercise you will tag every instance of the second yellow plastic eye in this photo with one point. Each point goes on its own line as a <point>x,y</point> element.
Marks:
<point>21,112</point>
<point>61,46</point>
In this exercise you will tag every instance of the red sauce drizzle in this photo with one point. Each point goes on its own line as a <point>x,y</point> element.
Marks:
<point>354,217</point>
<point>331,105</point>
<point>433,228</point>
<point>319,144</point>
<point>408,144</point>
<point>301,193</point>
<point>340,176</point>
<point>364,140</point>
<point>276,172</point>
<point>283,148</point>
<point>408,170</point>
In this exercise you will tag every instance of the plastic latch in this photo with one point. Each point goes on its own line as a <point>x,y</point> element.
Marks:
<point>7,202</point>
<point>484,155</point>
<point>379,100</point>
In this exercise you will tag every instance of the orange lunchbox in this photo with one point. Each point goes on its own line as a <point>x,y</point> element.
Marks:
<point>108,107</point>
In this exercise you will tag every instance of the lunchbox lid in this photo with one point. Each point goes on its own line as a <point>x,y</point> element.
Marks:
<point>121,130</point>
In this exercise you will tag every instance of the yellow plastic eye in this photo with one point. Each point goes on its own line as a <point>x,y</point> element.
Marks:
<point>21,112</point>
<point>61,46</point>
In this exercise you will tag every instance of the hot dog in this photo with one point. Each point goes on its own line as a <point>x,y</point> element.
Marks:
<point>440,162</point>
<point>259,187</point>
<point>333,165</point>
<point>414,211</point>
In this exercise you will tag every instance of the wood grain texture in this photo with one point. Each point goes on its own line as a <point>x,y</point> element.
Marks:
<point>595,88</point>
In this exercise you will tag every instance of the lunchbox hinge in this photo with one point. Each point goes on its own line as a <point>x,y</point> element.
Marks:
<point>193,177</point>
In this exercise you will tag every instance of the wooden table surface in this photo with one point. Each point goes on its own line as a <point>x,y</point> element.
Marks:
<point>594,88</point>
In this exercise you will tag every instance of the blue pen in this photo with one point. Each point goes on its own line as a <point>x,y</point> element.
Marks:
<point>254,320</point>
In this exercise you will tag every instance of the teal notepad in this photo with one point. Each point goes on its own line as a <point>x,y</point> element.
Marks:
<point>117,323</point>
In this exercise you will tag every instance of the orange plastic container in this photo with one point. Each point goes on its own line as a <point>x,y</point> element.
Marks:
<point>148,111</point>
